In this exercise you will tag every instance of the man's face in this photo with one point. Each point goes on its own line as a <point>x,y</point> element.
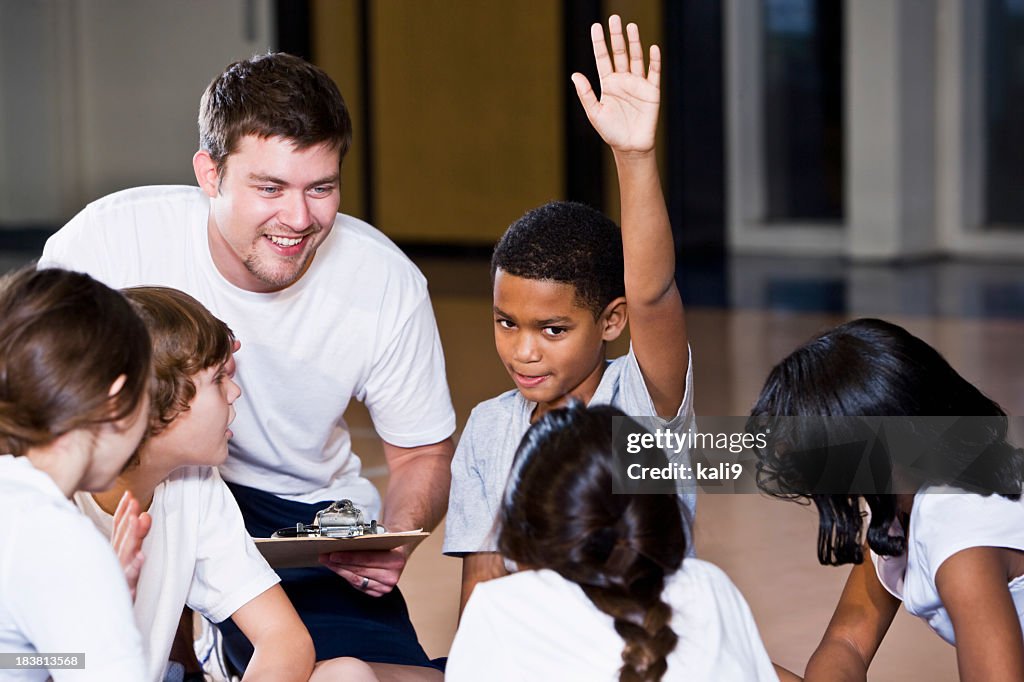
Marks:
<point>272,207</point>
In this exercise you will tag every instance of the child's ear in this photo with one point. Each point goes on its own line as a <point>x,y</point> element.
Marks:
<point>613,319</point>
<point>206,172</point>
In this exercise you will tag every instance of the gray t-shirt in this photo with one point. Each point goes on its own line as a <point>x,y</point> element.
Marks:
<point>483,458</point>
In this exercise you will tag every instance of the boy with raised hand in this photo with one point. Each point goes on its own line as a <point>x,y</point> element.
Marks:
<point>197,550</point>
<point>562,276</point>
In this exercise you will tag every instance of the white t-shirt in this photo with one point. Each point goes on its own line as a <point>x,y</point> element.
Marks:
<point>942,523</point>
<point>358,324</point>
<point>487,449</point>
<point>535,625</point>
<point>61,588</point>
<point>196,553</point>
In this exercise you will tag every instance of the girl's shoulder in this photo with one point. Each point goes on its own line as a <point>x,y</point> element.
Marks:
<point>947,520</point>
<point>699,589</point>
<point>942,508</point>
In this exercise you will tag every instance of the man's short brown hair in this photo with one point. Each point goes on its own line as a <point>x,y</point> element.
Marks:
<point>272,95</point>
<point>186,339</point>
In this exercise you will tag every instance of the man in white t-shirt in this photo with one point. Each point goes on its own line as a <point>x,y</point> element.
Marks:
<point>327,309</point>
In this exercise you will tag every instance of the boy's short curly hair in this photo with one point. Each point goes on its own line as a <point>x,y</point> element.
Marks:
<point>567,242</point>
<point>186,339</point>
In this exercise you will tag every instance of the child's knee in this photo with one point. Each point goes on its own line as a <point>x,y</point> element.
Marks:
<point>345,668</point>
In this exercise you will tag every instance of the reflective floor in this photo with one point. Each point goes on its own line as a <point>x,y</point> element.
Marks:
<point>766,546</point>
<point>762,308</point>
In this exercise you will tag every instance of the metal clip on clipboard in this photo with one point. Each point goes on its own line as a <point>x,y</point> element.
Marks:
<point>342,519</point>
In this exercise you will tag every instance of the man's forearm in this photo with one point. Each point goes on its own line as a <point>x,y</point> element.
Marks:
<point>417,494</point>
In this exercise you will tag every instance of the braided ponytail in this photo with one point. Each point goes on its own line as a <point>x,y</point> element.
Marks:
<point>631,595</point>
<point>559,513</point>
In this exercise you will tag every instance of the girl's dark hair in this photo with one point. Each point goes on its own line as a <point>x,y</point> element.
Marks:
<point>64,339</point>
<point>559,513</point>
<point>873,368</point>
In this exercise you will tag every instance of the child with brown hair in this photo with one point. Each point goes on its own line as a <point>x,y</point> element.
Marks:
<point>197,551</point>
<point>74,372</point>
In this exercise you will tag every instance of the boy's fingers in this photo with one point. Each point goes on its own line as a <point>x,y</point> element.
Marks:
<point>586,93</point>
<point>654,72</point>
<point>134,567</point>
<point>636,50</point>
<point>601,58</point>
<point>619,55</point>
<point>120,529</point>
<point>133,571</point>
<point>127,540</point>
<point>145,523</point>
<point>122,506</point>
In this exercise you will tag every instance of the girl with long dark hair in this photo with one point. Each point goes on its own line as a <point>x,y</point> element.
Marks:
<point>603,591</point>
<point>944,529</point>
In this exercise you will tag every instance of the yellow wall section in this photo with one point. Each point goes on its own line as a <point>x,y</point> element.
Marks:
<point>467,107</point>
<point>335,45</point>
<point>468,101</point>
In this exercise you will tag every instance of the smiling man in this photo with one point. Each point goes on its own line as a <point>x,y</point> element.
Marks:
<point>327,309</point>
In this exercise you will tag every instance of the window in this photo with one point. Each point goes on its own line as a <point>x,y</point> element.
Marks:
<point>803,110</point>
<point>1003,114</point>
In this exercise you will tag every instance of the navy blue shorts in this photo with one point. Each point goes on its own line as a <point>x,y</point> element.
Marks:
<point>342,620</point>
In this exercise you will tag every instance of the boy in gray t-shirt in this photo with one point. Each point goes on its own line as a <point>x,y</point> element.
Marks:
<point>562,275</point>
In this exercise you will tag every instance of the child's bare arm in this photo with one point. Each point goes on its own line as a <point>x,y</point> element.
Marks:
<point>282,647</point>
<point>860,621</point>
<point>479,567</point>
<point>973,586</point>
<point>626,117</point>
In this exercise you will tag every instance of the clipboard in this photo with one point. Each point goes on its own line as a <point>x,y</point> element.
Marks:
<point>304,551</point>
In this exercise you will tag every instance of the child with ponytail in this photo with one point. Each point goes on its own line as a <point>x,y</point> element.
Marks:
<point>74,373</point>
<point>603,592</point>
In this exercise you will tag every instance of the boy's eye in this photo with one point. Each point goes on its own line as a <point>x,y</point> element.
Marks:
<point>321,191</point>
<point>554,331</point>
<point>268,190</point>
<point>505,324</point>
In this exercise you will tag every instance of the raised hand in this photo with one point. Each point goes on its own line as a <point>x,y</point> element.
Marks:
<point>130,529</point>
<point>626,116</point>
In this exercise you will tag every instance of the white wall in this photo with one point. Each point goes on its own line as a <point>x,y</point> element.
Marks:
<point>99,95</point>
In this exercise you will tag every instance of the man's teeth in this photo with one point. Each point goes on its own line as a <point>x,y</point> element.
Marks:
<point>284,241</point>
